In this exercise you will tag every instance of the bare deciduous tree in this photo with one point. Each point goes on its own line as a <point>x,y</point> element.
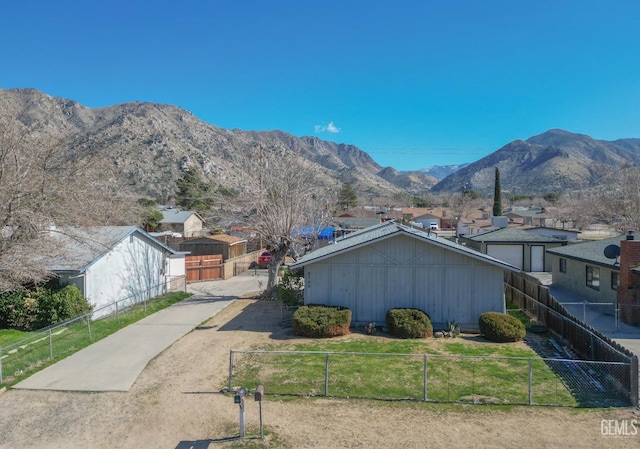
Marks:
<point>282,195</point>
<point>616,200</point>
<point>44,184</point>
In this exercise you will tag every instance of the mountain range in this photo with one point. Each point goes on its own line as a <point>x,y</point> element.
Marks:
<point>556,161</point>
<point>151,144</point>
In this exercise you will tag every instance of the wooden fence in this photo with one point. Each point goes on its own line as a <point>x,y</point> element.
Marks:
<point>589,343</point>
<point>534,298</point>
<point>203,268</point>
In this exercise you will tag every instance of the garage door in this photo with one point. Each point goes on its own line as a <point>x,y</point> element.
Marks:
<point>511,254</point>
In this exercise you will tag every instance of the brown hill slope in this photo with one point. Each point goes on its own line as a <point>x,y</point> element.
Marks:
<point>555,161</point>
<point>150,144</point>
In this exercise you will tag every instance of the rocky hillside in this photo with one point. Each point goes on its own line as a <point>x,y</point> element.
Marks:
<point>150,144</point>
<point>412,182</point>
<point>555,161</point>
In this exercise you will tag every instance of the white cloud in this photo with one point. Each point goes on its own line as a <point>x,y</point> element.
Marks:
<point>330,128</point>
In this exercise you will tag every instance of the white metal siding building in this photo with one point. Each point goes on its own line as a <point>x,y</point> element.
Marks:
<point>390,265</point>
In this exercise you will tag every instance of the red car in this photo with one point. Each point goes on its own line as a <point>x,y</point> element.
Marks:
<point>264,259</point>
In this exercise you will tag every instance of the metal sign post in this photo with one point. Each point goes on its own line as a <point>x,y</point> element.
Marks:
<point>259,393</point>
<point>239,399</point>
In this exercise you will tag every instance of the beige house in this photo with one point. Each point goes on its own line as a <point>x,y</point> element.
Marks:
<point>186,222</point>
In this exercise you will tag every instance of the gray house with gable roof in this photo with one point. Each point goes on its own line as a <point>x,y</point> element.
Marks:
<point>390,265</point>
<point>583,269</point>
<point>519,248</point>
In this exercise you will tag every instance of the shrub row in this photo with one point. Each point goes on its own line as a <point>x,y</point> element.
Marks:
<point>501,327</point>
<point>34,309</point>
<point>318,321</point>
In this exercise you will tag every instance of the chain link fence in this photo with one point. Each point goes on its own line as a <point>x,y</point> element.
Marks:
<point>434,378</point>
<point>69,336</point>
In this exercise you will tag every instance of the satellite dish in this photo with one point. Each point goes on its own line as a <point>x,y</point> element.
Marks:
<point>612,252</point>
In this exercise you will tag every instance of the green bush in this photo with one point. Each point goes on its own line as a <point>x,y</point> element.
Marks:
<point>321,321</point>
<point>55,306</point>
<point>290,289</point>
<point>409,323</point>
<point>17,310</point>
<point>42,307</point>
<point>500,327</point>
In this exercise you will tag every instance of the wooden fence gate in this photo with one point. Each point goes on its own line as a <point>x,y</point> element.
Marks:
<point>203,268</point>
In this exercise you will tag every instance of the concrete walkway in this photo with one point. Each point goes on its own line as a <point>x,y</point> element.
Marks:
<point>114,363</point>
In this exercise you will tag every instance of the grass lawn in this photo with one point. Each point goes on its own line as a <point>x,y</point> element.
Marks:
<point>466,370</point>
<point>8,336</point>
<point>36,348</point>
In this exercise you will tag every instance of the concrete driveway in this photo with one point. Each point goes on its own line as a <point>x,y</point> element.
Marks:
<point>114,363</point>
<point>621,333</point>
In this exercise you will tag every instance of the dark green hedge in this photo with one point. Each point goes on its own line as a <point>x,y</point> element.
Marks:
<point>409,323</point>
<point>319,321</point>
<point>34,309</point>
<point>501,327</point>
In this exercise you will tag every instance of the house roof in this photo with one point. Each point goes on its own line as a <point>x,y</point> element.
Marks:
<point>81,247</point>
<point>530,228</point>
<point>386,230</point>
<point>534,213</point>
<point>512,235</point>
<point>226,238</point>
<point>175,216</point>
<point>355,222</point>
<point>590,252</point>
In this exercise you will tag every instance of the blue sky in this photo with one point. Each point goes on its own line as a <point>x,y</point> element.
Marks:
<point>412,83</point>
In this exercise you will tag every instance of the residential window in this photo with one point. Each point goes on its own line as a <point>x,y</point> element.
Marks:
<point>615,280</point>
<point>563,265</point>
<point>593,277</point>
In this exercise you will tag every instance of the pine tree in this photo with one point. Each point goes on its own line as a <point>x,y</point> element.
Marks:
<point>497,196</point>
<point>193,192</point>
<point>347,198</point>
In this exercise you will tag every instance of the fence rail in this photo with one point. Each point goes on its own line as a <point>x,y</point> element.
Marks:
<point>434,378</point>
<point>47,344</point>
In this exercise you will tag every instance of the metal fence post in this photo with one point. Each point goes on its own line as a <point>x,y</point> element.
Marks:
<point>326,374</point>
<point>117,313</point>
<point>424,373</point>
<point>0,366</point>
<point>634,380</point>
<point>230,369</point>
<point>530,382</point>
<point>473,381</point>
<point>50,344</point>
<point>89,326</point>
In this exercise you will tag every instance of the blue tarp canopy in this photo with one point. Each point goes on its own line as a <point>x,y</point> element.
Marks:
<point>319,233</point>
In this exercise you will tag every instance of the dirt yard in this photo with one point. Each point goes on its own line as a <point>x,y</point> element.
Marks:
<point>176,403</point>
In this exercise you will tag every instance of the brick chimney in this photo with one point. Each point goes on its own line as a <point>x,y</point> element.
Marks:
<point>629,288</point>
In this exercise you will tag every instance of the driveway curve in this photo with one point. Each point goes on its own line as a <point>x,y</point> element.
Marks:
<point>115,362</point>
